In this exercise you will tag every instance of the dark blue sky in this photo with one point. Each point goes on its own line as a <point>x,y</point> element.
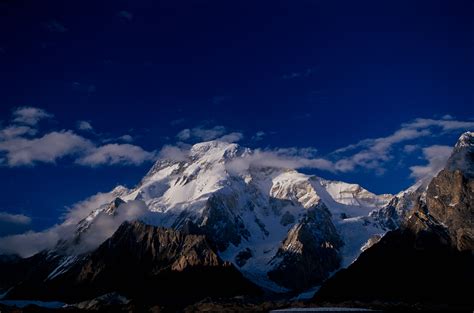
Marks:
<point>323,74</point>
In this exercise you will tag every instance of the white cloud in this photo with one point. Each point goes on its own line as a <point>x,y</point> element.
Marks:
<point>13,131</point>
<point>232,137</point>
<point>291,158</point>
<point>126,138</point>
<point>84,125</point>
<point>436,156</point>
<point>374,153</point>
<point>18,147</point>
<point>49,148</point>
<point>30,115</point>
<point>185,134</point>
<point>201,133</point>
<point>31,242</point>
<point>116,154</point>
<point>13,223</point>
<point>444,124</point>
<point>105,225</point>
<point>175,153</point>
<point>14,218</point>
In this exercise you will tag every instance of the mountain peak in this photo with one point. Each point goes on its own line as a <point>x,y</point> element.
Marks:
<point>466,140</point>
<point>214,149</point>
<point>462,158</point>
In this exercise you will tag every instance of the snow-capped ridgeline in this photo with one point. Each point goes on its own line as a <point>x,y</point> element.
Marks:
<point>249,212</point>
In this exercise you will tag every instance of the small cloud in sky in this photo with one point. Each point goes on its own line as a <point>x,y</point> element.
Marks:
<point>84,125</point>
<point>232,137</point>
<point>30,115</point>
<point>125,16</point>
<point>184,134</point>
<point>14,218</point>
<point>258,136</point>
<point>125,138</point>
<point>55,26</point>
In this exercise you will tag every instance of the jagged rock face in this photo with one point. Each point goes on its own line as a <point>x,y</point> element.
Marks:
<point>429,258</point>
<point>450,199</point>
<point>393,215</point>
<point>158,247</point>
<point>450,195</point>
<point>143,262</point>
<point>309,252</point>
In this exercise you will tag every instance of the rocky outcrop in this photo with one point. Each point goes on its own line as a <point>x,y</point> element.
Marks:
<point>309,252</point>
<point>144,262</point>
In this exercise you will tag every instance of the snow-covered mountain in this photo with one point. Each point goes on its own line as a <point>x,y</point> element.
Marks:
<point>268,221</point>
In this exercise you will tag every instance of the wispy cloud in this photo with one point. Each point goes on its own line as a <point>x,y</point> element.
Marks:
<point>116,154</point>
<point>374,153</point>
<point>30,115</point>
<point>11,224</point>
<point>436,156</point>
<point>48,148</point>
<point>84,125</point>
<point>125,138</point>
<point>15,131</point>
<point>31,242</point>
<point>21,219</point>
<point>203,133</point>
<point>292,158</point>
<point>20,147</point>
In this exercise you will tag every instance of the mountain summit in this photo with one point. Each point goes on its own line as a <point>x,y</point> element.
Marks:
<point>282,229</point>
